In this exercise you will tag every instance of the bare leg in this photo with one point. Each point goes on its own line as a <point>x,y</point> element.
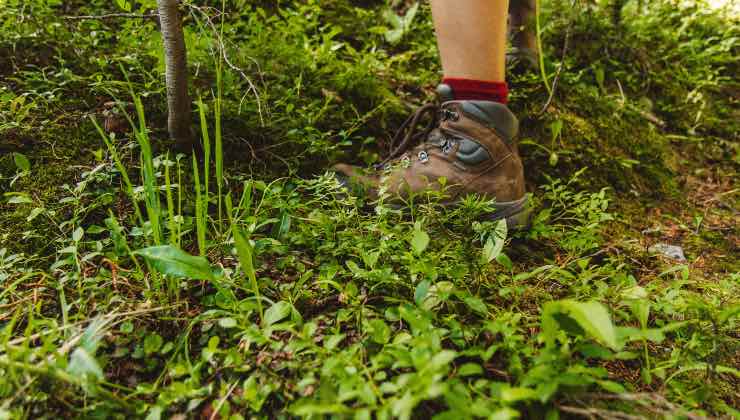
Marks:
<point>471,36</point>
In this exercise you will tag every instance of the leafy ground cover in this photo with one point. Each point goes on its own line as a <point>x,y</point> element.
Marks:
<point>240,280</point>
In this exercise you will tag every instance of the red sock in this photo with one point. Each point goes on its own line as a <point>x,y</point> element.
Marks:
<point>467,89</point>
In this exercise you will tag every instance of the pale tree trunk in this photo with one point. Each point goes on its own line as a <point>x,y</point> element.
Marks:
<point>178,100</point>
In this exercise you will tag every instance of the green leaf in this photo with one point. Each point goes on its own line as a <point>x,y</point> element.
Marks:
<point>392,19</point>
<point>276,312</point>
<point>470,369</point>
<point>124,5</point>
<point>612,386</point>
<point>35,213</point>
<point>173,261</point>
<point>421,292</point>
<point>419,241</point>
<point>82,364</point>
<point>245,254</point>
<point>728,313</point>
<point>408,18</point>
<point>21,162</point>
<point>592,318</point>
<point>495,242</point>
<point>514,394</point>
<point>126,327</point>
<point>18,198</point>
<point>379,331</point>
<point>152,343</point>
<point>227,323</point>
<point>476,304</point>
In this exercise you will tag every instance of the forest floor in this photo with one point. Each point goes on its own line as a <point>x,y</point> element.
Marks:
<point>240,280</point>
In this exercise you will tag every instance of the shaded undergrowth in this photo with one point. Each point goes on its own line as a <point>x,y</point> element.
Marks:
<point>139,280</point>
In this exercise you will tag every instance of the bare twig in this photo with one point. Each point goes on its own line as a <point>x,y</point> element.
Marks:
<point>653,402</point>
<point>114,16</point>
<point>129,314</point>
<point>222,51</point>
<point>597,413</point>
<point>222,400</point>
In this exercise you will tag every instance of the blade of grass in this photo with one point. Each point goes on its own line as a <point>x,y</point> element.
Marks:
<point>170,202</point>
<point>179,200</point>
<point>245,254</point>
<point>219,145</point>
<point>153,207</point>
<point>206,146</point>
<point>122,169</point>
<point>200,228</point>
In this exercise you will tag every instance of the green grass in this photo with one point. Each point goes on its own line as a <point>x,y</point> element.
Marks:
<point>143,281</point>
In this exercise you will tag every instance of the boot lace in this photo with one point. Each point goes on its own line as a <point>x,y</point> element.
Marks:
<point>408,134</point>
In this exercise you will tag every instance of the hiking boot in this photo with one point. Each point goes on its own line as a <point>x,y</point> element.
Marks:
<point>469,143</point>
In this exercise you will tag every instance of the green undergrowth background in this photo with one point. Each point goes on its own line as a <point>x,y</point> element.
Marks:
<point>239,280</point>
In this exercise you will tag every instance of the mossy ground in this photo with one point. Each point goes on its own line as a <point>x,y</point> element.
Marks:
<point>648,107</point>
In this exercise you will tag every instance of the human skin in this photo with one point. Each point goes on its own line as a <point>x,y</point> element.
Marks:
<point>471,37</point>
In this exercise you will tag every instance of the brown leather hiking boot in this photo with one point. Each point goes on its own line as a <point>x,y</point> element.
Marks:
<point>468,143</point>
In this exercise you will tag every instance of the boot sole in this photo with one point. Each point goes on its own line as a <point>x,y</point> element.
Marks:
<point>515,212</point>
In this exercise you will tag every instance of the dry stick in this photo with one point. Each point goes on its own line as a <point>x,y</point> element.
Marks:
<point>114,15</point>
<point>653,402</point>
<point>222,400</point>
<point>36,336</point>
<point>222,48</point>
<point>562,62</point>
<point>592,413</point>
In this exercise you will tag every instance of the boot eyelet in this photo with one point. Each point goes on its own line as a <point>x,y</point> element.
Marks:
<point>449,115</point>
<point>423,156</point>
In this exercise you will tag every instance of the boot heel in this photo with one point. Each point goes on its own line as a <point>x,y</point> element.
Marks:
<point>516,213</point>
<point>519,221</point>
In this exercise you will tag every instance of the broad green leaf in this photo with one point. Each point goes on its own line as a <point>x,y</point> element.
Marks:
<point>592,318</point>
<point>495,242</point>
<point>611,386</point>
<point>77,234</point>
<point>514,394</point>
<point>442,359</point>
<point>379,331</point>
<point>21,162</point>
<point>505,413</point>
<point>408,18</point>
<point>421,291</point>
<point>227,323</point>
<point>173,261</point>
<point>152,343</point>
<point>470,369</point>
<point>19,198</point>
<point>155,413</point>
<point>476,304</point>
<point>276,312</point>
<point>419,241</point>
